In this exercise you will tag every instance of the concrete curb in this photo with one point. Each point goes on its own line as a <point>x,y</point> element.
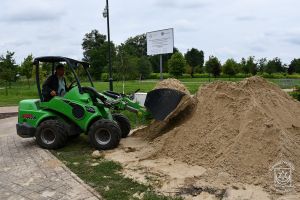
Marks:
<point>73,175</point>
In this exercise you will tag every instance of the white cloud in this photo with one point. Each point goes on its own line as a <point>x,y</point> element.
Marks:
<point>228,28</point>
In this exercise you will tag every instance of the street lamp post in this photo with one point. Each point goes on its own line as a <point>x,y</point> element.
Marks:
<point>106,15</point>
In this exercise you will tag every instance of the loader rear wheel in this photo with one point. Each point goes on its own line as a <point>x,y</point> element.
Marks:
<point>51,134</point>
<point>104,134</point>
<point>123,123</point>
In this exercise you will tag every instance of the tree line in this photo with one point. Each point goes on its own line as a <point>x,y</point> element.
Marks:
<point>130,61</point>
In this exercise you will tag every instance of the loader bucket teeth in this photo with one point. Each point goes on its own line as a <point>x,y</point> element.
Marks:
<point>161,102</point>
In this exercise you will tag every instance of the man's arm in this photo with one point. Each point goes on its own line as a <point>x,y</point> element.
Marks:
<point>48,91</point>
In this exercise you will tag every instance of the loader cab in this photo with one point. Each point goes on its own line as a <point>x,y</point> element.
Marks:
<point>78,105</point>
<point>71,66</point>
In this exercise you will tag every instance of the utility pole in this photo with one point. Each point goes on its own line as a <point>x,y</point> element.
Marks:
<point>106,15</point>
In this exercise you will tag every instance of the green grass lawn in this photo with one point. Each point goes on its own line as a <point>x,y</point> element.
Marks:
<point>103,175</point>
<point>20,90</point>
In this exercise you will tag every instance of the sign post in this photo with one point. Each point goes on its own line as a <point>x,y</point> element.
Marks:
<point>159,43</point>
<point>161,67</point>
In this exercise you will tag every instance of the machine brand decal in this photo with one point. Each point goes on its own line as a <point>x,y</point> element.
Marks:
<point>28,116</point>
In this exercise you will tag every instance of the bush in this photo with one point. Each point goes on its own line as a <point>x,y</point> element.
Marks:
<point>157,76</point>
<point>105,77</point>
<point>296,93</point>
<point>274,75</point>
<point>279,75</point>
<point>293,76</point>
<point>186,76</point>
<point>241,75</point>
<point>205,75</point>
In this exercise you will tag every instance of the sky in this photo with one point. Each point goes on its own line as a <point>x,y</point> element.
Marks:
<point>226,29</point>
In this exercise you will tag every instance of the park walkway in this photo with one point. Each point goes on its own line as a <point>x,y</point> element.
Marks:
<point>29,172</point>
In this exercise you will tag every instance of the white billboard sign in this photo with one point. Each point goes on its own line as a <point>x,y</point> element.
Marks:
<point>160,42</point>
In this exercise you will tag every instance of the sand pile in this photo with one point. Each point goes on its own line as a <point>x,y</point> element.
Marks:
<point>240,128</point>
<point>172,84</point>
<point>177,117</point>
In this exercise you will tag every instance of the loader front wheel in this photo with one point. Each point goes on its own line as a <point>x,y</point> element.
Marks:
<point>123,123</point>
<point>104,134</point>
<point>51,134</point>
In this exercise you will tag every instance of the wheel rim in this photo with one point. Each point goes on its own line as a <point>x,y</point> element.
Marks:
<point>103,136</point>
<point>48,136</point>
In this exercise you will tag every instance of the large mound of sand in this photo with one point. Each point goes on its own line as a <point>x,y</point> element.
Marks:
<point>240,128</point>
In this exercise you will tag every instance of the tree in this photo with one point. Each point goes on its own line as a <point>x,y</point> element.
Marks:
<point>213,66</point>
<point>136,46</point>
<point>8,69</point>
<point>249,66</point>
<point>27,67</point>
<point>294,67</point>
<point>243,65</point>
<point>125,65</point>
<point>230,67</point>
<point>145,67</point>
<point>176,64</point>
<point>262,64</point>
<point>274,66</point>
<point>194,58</point>
<point>252,65</point>
<point>95,51</point>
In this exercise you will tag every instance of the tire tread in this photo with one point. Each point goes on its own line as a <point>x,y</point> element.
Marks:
<point>61,134</point>
<point>124,123</point>
<point>115,133</point>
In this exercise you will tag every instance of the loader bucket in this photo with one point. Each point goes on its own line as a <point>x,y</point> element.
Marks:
<point>161,102</point>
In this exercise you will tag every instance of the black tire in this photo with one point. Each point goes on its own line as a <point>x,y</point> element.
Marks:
<point>123,123</point>
<point>51,134</point>
<point>104,134</point>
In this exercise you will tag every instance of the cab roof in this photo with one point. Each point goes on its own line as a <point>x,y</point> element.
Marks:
<point>55,59</point>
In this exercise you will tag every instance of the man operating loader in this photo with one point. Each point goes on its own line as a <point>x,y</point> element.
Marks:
<point>55,85</point>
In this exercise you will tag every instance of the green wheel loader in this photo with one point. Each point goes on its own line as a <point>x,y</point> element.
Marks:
<point>84,110</point>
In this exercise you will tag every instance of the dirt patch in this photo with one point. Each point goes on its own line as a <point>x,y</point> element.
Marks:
<point>8,115</point>
<point>176,178</point>
<point>239,128</point>
<point>165,174</point>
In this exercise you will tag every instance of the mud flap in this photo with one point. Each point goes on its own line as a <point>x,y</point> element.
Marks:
<point>161,102</point>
